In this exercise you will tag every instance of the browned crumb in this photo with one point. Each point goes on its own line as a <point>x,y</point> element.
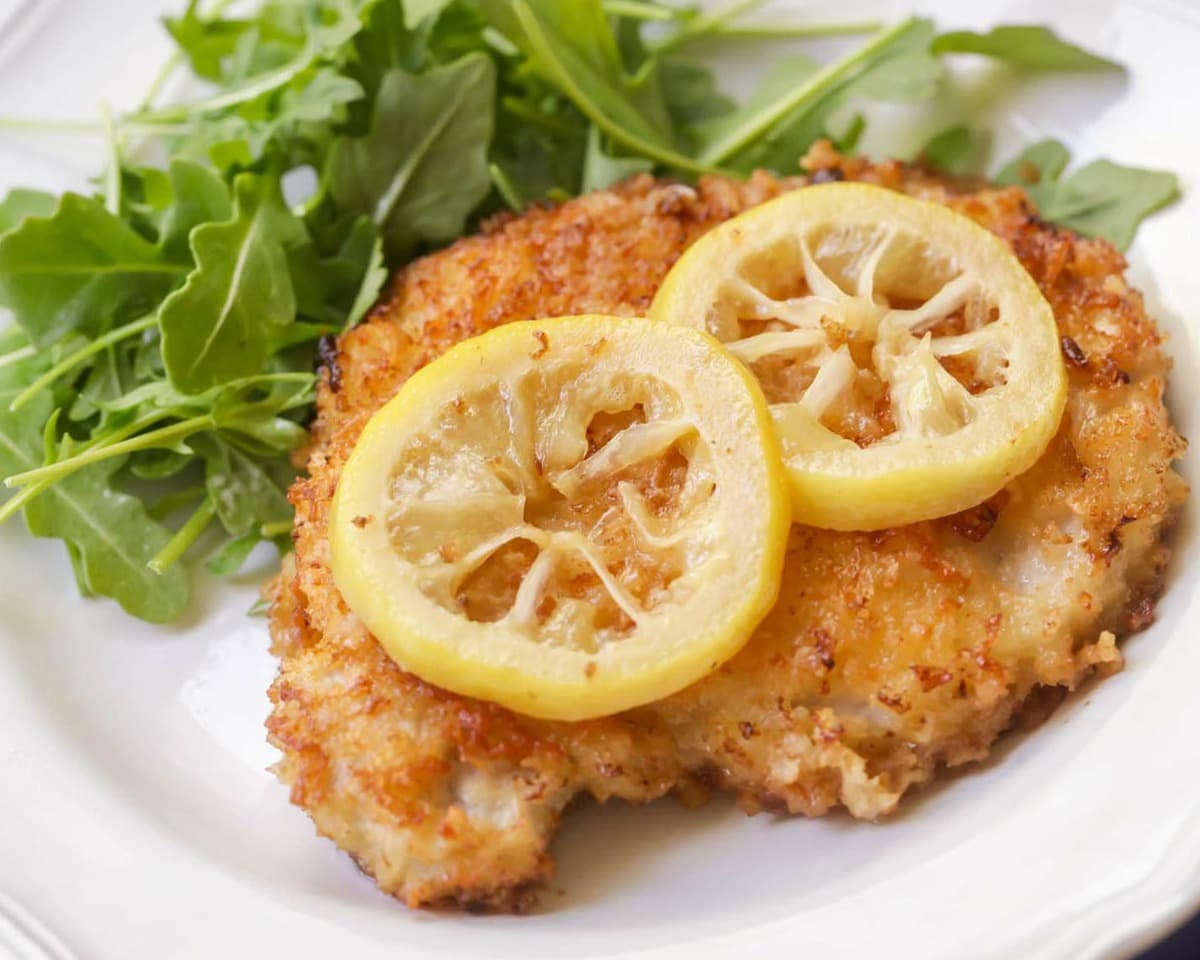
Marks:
<point>888,655</point>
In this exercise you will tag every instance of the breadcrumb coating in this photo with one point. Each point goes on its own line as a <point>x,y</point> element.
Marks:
<point>888,655</point>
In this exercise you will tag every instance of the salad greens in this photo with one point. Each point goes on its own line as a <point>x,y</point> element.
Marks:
<point>159,372</point>
<point>1028,46</point>
<point>1101,199</point>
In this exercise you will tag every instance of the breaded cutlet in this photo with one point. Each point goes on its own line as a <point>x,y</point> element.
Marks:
<point>888,655</point>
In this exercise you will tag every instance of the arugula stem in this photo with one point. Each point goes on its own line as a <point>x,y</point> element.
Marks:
<point>705,24</point>
<point>22,497</point>
<point>640,10</point>
<point>164,73</point>
<point>580,97</point>
<point>523,111</point>
<point>168,503</point>
<point>269,530</point>
<point>797,31</point>
<point>815,87</point>
<point>16,356</point>
<point>32,490</point>
<point>162,437</point>
<point>33,125</point>
<point>112,176</point>
<point>184,537</point>
<point>259,379</point>
<point>260,607</point>
<point>155,129</point>
<point>135,427</point>
<point>505,187</point>
<point>73,360</point>
<point>50,126</point>
<point>293,376</point>
<point>269,81</point>
<point>176,59</point>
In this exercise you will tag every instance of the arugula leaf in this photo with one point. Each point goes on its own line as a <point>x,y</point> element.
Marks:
<point>242,489</point>
<point>114,540</point>
<point>199,196</point>
<point>1105,199</point>
<point>909,73</point>
<point>422,168</point>
<point>21,203</point>
<point>294,121</point>
<point>261,425</point>
<point>252,72</point>
<point>778,83</point>
<point>690,92</point>
<point>336,290</point>
<point>782,119</point>
<point>534,166</point>
<point>847,140</point>
<point>957,150</point>
<point>417,10</point>
<point>159,464</point>
<point>1028,46</point>
<point>78,270</point>
<point>262,434</point>
<point>207,43</point>
<point>231,556</point>
<point>387,42</point>
<point>459,29</point>
<point>568,44</point>
<point>1040,164</point>
<point>601,170</point>
<point>109,534</point>
<point>219,325</point>
<point>539,145</point>
<point>374,276</point>
<point>146,198</point>
<point>312,101</point>
<point>103,383</point>
<point>900,69</point>
<point>1101,199</point>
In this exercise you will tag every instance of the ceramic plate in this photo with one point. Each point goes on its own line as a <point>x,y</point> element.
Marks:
<point>138,819</point>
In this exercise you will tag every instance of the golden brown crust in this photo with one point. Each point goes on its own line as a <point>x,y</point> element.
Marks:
<point>888,654</point>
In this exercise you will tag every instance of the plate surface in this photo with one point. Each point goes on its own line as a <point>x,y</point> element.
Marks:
<point>137,818</point>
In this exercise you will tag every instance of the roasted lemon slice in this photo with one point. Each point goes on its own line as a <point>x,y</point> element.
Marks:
<point>911,364</point>
<point>568,517</point>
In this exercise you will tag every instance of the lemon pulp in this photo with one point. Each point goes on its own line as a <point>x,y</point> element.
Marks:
<point>568,517</point>
<point>911,364</point>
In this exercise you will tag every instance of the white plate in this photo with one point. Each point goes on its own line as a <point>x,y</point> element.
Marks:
<point>137,819</point>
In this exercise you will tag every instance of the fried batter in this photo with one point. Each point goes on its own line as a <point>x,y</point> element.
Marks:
<point>888,655</point>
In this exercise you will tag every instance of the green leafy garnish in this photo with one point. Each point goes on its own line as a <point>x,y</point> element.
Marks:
<point>21,203</point>
<point>1101,199</point>
<point>160,372</point>
<point>957,150</point>
<point>601,170</point>
<point>569,45</point>
<point>78,269</point>
<point>110,535</point>
<point>422,168</point>
<point>1029,46</point>
<point>219,326</point>
<point>791,109</point>
<point>112,540</point>
<point>418,10</point>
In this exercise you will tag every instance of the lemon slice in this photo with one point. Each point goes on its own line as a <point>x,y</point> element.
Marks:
<point>568,517</point>
<point>911,363</point>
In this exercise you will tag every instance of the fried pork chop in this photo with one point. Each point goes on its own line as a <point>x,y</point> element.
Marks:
<point>888,655</point>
